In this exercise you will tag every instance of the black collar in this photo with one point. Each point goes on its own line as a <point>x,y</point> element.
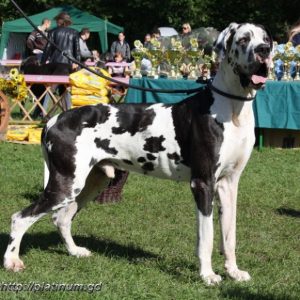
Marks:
<point>240,98</point>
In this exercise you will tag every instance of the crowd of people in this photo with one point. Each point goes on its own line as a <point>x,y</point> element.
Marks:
<point>74,44</point>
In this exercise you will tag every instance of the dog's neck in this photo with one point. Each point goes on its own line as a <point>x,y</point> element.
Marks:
<point>240,112</point>
<point>229,82</point>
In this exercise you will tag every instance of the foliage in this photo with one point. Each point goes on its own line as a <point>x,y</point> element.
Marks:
<point>143,247</point>
<point>140,17</point>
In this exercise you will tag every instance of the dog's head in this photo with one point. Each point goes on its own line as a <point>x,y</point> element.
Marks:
<point>246,49</point>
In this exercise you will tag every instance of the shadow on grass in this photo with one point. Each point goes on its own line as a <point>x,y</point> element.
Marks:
<point>244,293</point>
<point>179,269</point>
<point>288,212</point>
<point>106,247</point>
<point>33,196</point>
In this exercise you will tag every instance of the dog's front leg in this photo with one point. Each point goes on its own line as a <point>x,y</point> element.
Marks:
<point>227,191</point>
<point>203,194</point>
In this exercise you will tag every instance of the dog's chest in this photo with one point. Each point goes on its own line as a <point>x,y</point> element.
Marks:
<point>235,150</point>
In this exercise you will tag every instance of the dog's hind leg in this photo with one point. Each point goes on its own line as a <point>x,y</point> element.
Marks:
<point>203,194</point>
<point>95,183</point>
<point>227,191</point>
<point>21,221</point>
<point>56,195</point>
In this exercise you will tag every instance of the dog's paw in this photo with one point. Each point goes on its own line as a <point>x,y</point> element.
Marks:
<point>239,275</point>
<point>80,252</point>
<point>211,279</point>
<point>14,264</point>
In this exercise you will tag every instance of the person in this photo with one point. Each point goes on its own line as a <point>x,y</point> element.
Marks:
<point>294,34</point>
<point>67,39</point>
<point>155,33</point>
<point>85,52</point>
<point>118,71</point>
<point>36,42</point>
<point>185,35</point>
<point>186,30</point>
<point>121,46</point>
<point>147,41</point>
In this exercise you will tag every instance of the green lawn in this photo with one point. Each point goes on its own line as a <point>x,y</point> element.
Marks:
<point>143,247</point>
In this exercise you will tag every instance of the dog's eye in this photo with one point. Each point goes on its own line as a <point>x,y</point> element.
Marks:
<point>243,41</point>
<point>267,40</point>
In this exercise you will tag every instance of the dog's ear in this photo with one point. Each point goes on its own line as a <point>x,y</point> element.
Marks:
<point>224,40</point>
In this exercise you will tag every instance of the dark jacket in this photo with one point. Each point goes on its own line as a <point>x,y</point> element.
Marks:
<point>36,40</point>
<point>124,49</point>
<point>67,39</point>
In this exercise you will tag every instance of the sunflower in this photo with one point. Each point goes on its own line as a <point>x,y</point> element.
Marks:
<point>14,73</point>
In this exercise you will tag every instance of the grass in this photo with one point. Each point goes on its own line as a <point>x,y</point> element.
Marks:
<point>143,247</point>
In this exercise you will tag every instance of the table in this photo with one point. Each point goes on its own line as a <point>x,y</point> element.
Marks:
<point>137,96</point>
<point>276,106</point>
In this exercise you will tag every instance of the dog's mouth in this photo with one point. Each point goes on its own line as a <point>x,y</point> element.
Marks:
<point>259,78</point>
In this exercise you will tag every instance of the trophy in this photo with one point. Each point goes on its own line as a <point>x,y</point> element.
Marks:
<point>174,56</point>
<point>138,53</point>
<point>155,56</point>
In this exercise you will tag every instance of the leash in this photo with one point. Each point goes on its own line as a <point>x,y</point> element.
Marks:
<point>235,97</point>
<point>100,74</point>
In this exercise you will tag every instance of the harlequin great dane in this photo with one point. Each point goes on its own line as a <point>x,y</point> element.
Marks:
<point>205,139</point>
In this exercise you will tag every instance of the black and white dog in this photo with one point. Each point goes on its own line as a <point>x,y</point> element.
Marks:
<point>206,140</point>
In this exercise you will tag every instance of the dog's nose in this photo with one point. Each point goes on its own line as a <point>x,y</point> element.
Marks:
<point>263,50</point>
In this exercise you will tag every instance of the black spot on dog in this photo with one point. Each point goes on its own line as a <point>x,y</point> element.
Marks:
<point>104,144</point>
<point>10,240</point>
<point>128,162</point>
<point>154,144</point>
<point>133,119</point>
<point>151,157</point>
<point>141,159</point>
<point>13,249</point>
<point>93,162</point>
<point>250,57</point>
<point>77,191</point>
<point>148,166</point>
<point>236,53</point>
<point>174,156</point>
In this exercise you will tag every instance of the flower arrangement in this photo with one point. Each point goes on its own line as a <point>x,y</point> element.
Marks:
<point>14,85</point>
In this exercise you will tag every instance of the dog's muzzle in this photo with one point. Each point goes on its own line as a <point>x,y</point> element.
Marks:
<point>260,68</point>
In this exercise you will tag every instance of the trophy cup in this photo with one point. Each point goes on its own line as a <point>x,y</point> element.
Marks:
<point>174,56</point>
<point>193,55</point>
<point>138,53</point>
<point>155,56</point>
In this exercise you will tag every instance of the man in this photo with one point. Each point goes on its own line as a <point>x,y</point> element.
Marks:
<point>67,39</point>
<point>36,42</point>
<point>121,46</point>
<point>85,52</point>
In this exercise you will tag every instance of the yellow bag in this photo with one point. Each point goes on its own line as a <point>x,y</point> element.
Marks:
<point>80,100</point>
<point>34,135</point>
<point>80,91</point>
<point>17,133</point>
<point>87,80</point>
<point>20,133</point>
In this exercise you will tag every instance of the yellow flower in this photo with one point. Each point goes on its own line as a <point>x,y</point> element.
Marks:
<point>13,74</point>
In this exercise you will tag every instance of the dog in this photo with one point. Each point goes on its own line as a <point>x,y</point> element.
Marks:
<point>206,140</point>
